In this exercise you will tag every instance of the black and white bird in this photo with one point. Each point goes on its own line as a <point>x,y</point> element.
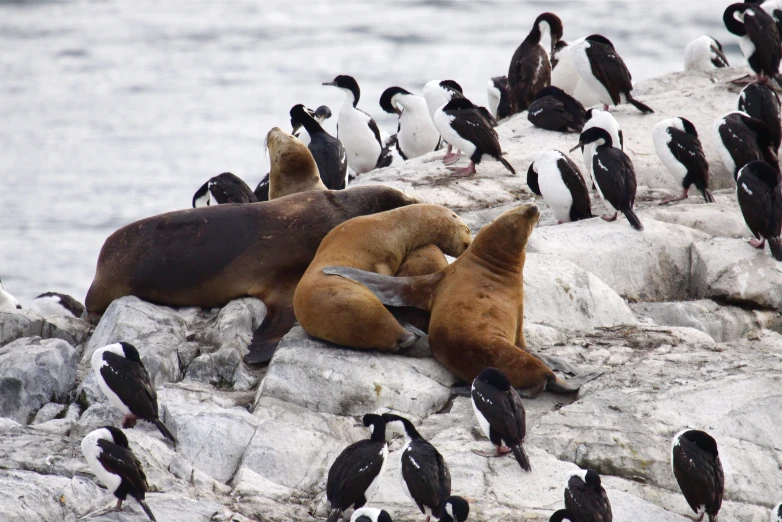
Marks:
<point>678,147</point>
<point>416,134</point>
<point>698,470</point>
<point>555,177</point>
<point>8,303</point>
<point>462,126</point>
<point>455,509</point>
<point>704,54</point>
<point>56,304</point>
<point>604,120</point>
<point>759,39</point>
<point>320,115</point>
<point>499,98</point>
<point>741,139</point>
<point>124,380</point>
<point>553,109</point>
<point>327,151</point>
<point>613,174</point>
<point>111,459</point>
<point>366,514</point>
<point>759,192</point>
<point>439,92</point>
<point>425,475</point>
<point>500,414</point>
<point>356,473</point>
<point>356,129</point>
<point>562,515</point>
<point>565,75</point>
<point>530,69</point>
<point>223,188</point>
<point>776,513</point>
<point>585,498</point>
<point>604,72</point>
<point>760,101</point>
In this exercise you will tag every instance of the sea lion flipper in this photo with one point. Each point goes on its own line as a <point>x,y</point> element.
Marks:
<point>558,385</point>
<point>393,291</point>
<point>277,322</point>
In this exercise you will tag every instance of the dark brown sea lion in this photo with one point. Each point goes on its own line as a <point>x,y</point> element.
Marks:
<point>209,256</point>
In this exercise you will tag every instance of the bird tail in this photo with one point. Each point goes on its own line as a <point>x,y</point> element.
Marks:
<point>775,245</point>
<point>638,105</point>
<point>507,165</point>
<point>334,515</point>
<point>521,457</point>
<point>148,511</point>
<point>633,219</point>
<point>707,195</point>
<point>165,431</point>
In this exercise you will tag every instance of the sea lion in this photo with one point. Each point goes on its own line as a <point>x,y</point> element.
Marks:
<point>476,304</point>
<point>347,313</point>
<point>293,169</point>
<point>211,255</point>
<point>421,261</point>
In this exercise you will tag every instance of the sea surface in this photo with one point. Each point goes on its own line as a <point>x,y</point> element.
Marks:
<point>112,111</point>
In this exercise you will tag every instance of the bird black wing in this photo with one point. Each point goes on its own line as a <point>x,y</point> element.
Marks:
<point>228,188</point>
<point>529,72</point>
<point>687,150</point>
<point>610,70</point>
<point>261,192</point>
<point>352,473</point>
<point>470,125</point>
<point>426,475</point>
<point>585,503</point>
<point>503,411</point>
<point>550,114</point>
<point>532,180</point>
<point>607,168</point>
<point>131,382</point>
<point>699,475</point>
<point>121,461</point>
<point>372,126</point>
<point>762,30</point>
<point>574,181</point>
<point>330,157</point>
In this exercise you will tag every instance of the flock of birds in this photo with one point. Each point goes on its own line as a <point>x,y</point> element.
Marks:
<point>554,88</point>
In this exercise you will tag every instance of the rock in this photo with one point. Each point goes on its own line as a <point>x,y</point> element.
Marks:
<point>659,255</point>
<point>26,496</point>
<point>326,378</point>
<point>48,412</point>
<point>731,270</point>
<point>63,424</point>
<point>96,416</point>
<point>23,323</point>
<point>722,323</point>
<point>560,294</point>
<point>720,219</point>
<point>34,372</point>
<point>27,449</point>
<point>166,508</point>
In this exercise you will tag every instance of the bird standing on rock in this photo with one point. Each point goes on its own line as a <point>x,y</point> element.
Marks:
<point>416,134</point>
<point>462,126</point>
<point>585,498</point>
<point>704,54</point>
<point>698,471</point>
<point>500,414</point>
<point>110,458</point>
<point>759,39</point>
<point>760,101</point>
<point>555,177</point>
<point>759,192</point>
<point>356,473</point>
<point>425,475</point>
<point>741,139</point>
<point>125,382</point>
<point>678,147</point>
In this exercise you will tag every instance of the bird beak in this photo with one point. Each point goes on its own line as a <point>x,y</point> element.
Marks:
<point>329,83</point>
<point>580,145</point>
<point>398,111</point>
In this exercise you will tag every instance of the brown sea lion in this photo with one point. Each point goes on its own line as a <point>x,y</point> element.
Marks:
<point>347,313</point>
<point>476,304</point>
<point>293,169</point>
<point>211,255</point>
<point>421,261</point>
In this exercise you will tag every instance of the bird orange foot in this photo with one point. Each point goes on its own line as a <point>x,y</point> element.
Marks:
<point>757,243</point>
<point>609,218</point>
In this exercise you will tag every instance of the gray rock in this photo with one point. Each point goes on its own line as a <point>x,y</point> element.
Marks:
<point>722,323</point>
<point>34,372</point>
<point>558,293</point>
<point>27,449</point>
<point>63,424</point>
<point>326,378</point>
<point>659,256</point>
<point>96,416</point>
<point>48,412</point>
<point>720,219</point>
<point>24,323</point>
<point>166,508</point>
<point>731,270</point>
<point>26,496</point>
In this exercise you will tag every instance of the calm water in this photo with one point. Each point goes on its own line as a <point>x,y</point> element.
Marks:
<point>113,111</point>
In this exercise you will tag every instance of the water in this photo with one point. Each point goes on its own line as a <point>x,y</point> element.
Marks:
<point>114,111</point>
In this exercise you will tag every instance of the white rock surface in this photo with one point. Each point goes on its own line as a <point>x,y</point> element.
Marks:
<point>23,323</point>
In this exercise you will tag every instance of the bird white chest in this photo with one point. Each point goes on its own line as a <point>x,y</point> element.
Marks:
<point>359,141</point>
<point>443,123</point>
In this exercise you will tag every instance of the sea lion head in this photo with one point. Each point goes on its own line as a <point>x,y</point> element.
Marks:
<point>505,238</point>
<point>288,154</point>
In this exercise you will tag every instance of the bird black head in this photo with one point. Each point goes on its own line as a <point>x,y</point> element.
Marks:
<point>387,96</point>
<point>451,85</point>
<point>592,479</point>
<point>689,128</point>
<point>384,516</point>
<point>378,426</point>
<point>552,91</point>
<point>399,424</point>
<point>600,39</point>
<point>119,438</point>
<point>131,353</point>
<point>347,83</point>
<point>458,104</point>
<point>303,117</point>
<point>494,377</point>
<point>554,26</point>
<point>563,515</point>
<point>322,113</point>
<point>593,135</point>
<point>702,439</point>
<point>455,509</point>
<point>733,17</point>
